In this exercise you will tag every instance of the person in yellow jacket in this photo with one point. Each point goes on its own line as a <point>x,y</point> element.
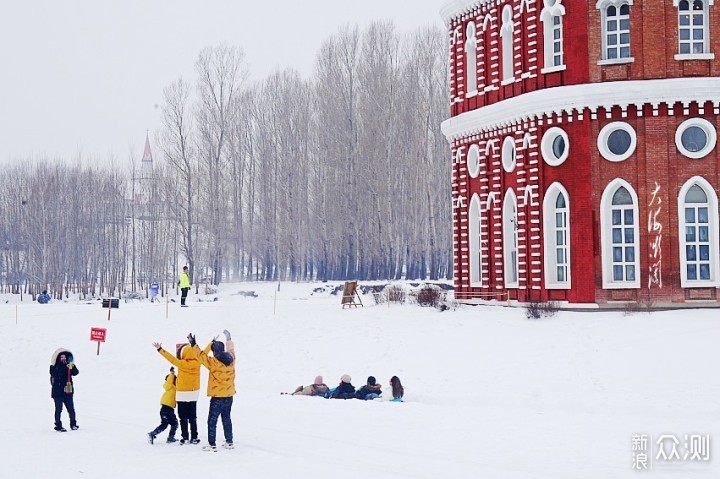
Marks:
<point>167,410</point>
<point>188,388</point>
<point>221,386</point>
<point>184,283</point>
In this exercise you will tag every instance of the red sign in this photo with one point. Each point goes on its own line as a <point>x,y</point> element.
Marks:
<point>97,334</point>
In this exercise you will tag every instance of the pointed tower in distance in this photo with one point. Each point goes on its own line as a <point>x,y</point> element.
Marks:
<point>146,165</point>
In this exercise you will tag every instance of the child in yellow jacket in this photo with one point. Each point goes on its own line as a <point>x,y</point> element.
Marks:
<point>167,410</point>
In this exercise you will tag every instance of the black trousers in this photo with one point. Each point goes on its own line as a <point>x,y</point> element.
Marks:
<point>220,407</point>
<point>187,410</point>
<point>184,292</point>
<point>167,418</point>
<point>67,401</point>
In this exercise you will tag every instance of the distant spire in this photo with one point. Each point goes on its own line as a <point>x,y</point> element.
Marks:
<point>147,156</point>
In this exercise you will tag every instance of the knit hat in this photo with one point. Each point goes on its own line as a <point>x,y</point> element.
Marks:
<point>318,380</point>
<point>371,380</point>
<point>346,378</point>
<point>217,347</point>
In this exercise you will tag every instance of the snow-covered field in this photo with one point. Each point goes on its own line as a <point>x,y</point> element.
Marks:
<point>489,394</point>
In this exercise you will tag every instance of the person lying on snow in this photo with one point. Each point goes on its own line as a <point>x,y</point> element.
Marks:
<point>317,388</point>
<point>370,391</point>
<point>345,389</point>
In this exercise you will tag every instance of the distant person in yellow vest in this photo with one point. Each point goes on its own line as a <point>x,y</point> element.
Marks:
<point>221,387</point>
<point>184,283</point>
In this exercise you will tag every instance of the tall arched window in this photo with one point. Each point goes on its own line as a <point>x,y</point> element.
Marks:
<point>471,59</point>
<point>475,219</point>
<point>620,235</point>
<point>510,239</point>
<point>698,223</point>
<point>693,26</point>
<point>506,33</point>
<point>552,18</point>
<point>556,232</point>
<point>615,15</point>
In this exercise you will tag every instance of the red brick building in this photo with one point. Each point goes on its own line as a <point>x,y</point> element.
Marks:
<point>584,140</point>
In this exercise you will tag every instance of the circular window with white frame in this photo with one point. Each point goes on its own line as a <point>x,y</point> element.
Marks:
<point>695,138</point>
<point>473,161</point>
<point>555,146</point>
<point>508,154</point>
<point>617,141</point>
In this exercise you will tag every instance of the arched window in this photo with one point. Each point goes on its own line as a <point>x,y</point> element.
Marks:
<point>475,219</point>
<point>698,223</point>
<point>471,60</point>
<point>556,232</point>
<point>552,18</point>
<point>509,154</point>
<point>510,239</point>
<point>620,234</point>
<point>506,32</point>
<point>615,17</point>
<point>693,26</point>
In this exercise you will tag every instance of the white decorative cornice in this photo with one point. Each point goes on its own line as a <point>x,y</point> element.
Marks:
<point>455,8</point>
<point>555,101</point>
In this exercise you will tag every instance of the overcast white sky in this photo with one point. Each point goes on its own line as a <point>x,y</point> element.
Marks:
<point>84,76</point>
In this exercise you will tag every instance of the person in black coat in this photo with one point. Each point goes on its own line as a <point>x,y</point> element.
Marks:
<point>62,370</point>
<point>345,389</point>
<point>372,390</point>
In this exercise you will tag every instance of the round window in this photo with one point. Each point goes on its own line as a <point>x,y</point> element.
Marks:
<point>508,154</point>
<point>617,141</point>
<point>695,138</point>
<point>473,161</point>
<point>555,146</point>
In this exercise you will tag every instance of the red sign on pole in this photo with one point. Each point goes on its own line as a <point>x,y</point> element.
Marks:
<point>98,334</point>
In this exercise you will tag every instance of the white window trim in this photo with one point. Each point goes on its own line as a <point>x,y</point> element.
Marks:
<point>471,43</point>
<point>473,153</point>
<point>509,143</point>
<point>616,61</point>
<point>602,5</point>
<point>546,146</point>
<point>712,226</point>
<point>606,236</point>
<point>549,12</point>
<point>694,56</point>
<point>510,234</point>
<point>475,242</point>
<point>507,46</point>
<point>604,135</point>
<point>550,239</point>
<point>709,130</point>
<point>706,55</point>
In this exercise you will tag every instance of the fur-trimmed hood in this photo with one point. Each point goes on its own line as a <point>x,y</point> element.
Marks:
<point>56,355</point>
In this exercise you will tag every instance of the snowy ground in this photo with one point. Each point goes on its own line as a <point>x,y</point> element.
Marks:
<point>489,393</point>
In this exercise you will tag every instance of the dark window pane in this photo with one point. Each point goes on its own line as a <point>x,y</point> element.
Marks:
<point>629,217</point>
<point>622,197</point>
<point>690,215</point>
<point>617,255</point>
<point>616,217</point>
<point>625,52</point>
<point>561,274</point>
<point>690,234</point>
<point>704,237</point>
<point>556,34</point>
<point>612,25</point>
<point>705,272</point>
<point>625,9</point>
<point>559,238</point>
<point>684,34</point>
<point>690,252</point>
<point>611,11</point>
<point>698,34</point>
<point>694,139</point>
<point>698,20</point>
<point>704,253</point>
<point>684,48</point>
<point>556,48</point>
<point>691,272</point>
<point>625,24</point>
<point>617,273</point>
<point>558,146</point>
<point>560,255</point>
<point>629,255</point>
<point>619,141</point>
<point>629,236</point>
<point>684,20</point>
<point>624,38</point>
<point>560,203</point>
<point>696,195</point>
<point>612,40</point>
<point>698,48</point>
<point>702,215</point>
<point>630,273</point>
<point>617,236</point>
<point>697,5</point>
<point>612,54</point>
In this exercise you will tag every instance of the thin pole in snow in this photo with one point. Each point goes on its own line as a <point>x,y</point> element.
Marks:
<point>16,314</point>
<point>167,304</point>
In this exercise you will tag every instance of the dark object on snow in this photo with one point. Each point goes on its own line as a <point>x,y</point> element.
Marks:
<point>113,303</point>
<point>345,390</point>
<point>43,298</point>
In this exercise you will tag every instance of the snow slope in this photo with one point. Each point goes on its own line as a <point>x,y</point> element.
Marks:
<point>489,393</point>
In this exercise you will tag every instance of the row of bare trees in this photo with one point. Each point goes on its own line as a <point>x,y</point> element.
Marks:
<point>344,175</point>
